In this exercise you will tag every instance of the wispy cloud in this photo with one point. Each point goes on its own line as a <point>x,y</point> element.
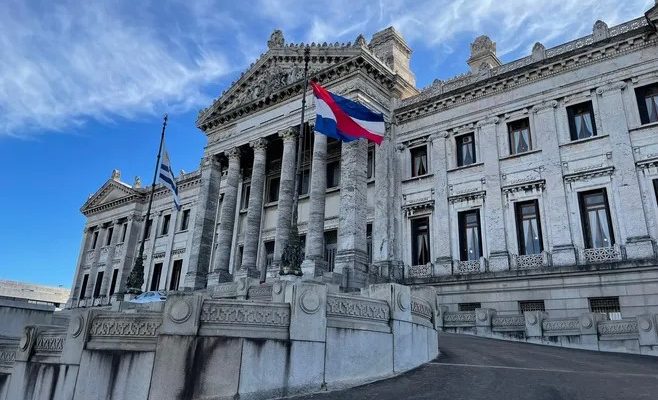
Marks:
<point>64,63</point>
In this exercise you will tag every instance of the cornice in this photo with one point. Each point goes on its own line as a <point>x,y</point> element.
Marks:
<point>465,88</point>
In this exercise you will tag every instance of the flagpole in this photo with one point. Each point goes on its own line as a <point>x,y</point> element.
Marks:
<point>136,277</point>
<point>292,253</point>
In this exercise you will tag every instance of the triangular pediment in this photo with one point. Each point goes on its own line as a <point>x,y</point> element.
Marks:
<point>111,191</point>
<point>280,69</point>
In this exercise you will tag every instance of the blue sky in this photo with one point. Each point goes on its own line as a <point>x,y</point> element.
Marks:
<point>84,84</point>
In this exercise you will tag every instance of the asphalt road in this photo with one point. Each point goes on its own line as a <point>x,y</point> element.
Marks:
<point>472,368</point>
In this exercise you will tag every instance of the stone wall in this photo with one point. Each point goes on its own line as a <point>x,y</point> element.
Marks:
<point>243,339</point>
<point>589,331</point>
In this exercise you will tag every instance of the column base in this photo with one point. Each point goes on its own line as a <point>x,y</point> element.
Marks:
<point>216,277</point>
<point>195,281</point>
<point>499,261</point>
<point>313,269</point>
<point>248,272</point>
<point>353,265</point>
<point>639,248</point>
<point>563,255</point>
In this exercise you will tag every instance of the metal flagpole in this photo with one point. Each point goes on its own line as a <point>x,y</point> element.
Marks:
<point>136,277</point>
<point>291,259</point>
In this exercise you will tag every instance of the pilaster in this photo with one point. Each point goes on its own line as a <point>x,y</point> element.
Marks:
<point>440,228</point>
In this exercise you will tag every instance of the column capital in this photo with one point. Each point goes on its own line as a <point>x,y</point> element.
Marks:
<point>288,135</point>
<point>259,144</point>
<point>492,120</point>
<point>545,106</point>
<point>233,153</point>
<point>437,135</point>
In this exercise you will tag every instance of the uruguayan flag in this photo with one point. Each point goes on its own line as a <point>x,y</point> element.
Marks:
<point>167,178</point>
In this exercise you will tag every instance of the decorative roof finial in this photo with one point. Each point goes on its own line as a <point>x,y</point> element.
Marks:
<point>276,39</point>
<point>116,175</point>
<point>138,183</point>
<point>360,41</point>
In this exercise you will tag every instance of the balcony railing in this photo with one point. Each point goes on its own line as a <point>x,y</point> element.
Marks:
<point>330,258</point>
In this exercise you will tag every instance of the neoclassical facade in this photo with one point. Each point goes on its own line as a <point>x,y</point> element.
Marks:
<point>528,185</point>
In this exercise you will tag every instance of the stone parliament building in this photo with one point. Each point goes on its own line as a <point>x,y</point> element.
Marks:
<point>520,186</point>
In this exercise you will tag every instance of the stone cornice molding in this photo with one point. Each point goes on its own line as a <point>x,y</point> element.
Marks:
<point>589,174</point>
<point>624,38</point>
<point>545,106</point>
<point>611,87</point>
<point>537,185</point>
<point>480,194</point>
<point>492,120</point>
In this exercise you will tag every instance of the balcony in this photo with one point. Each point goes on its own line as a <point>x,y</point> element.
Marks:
<point>531,261</point>
<point>470,266</point>
<point>602,254</point>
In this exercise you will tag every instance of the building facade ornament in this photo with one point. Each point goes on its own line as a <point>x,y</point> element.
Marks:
<point>610,87</point>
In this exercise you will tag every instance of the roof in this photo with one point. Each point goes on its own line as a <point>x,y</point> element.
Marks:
<point>29,291</point>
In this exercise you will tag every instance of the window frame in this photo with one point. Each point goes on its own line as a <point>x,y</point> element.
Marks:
<point>271,186</point>
<point>153,281</point>
<point>185,220</point>
<point>584,221</point>
<point>166,221</point>
<point>176,274</point>
<point>98,284</point>
<point>572,122</point>
<point>531,303</point>
<point>640,97</point>
<point>459,141</point>
<point>94,240</point>
<point>511,130</point>
<point>463,243</point>
<point>615,299</point>
<point>335,173</point>
<point>518,216</point>
<point>370,166</point>
<point>415,231</point>
<point>113,284</point>
<point>110,233</point>
<point>412,156</point>
<point>83,286</point>
<point>469,307</point>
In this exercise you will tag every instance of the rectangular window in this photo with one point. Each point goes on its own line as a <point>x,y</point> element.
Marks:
<point>470,237</point>
<point>98,284</point>
<point>175,275</point>
<point>165,224</point>
<point>528,227</point>
<point>655,189</point>
<point>595,216</point>
<point>531,305</point>
<point>302,245</point>
<point>244,197</point>
<point>185,221</point>
<point>124,231</point>
<point>303,188</point>
<point>94,241</point>
<point>269,253</point>
<point>330,248</point>
<point>418,161</point>
<point>468,306</point>
<point>369,242</point>
<point>581,120</point>
<point>466,150</point>
<point>420,241</point>
<point>370,171</point>
<point>83,289</point>
<point>155,277</point>
<point>273,189</point>
<point>238,256</point>
<point>647,103</point>
<point>606,305</point>
<point>519,136</point>
<point>333,174</point>
<point>113,284</point>
<point>110,232</point>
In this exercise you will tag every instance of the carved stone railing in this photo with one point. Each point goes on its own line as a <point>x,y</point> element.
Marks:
<point>602,254</point>
<point>261,292</point>
<point>531,261</point>
<point>8,349</point>
<point>357,313</point>
<point>561,326</point>
<point>421,310</point>
<point>245,319</point>
<point>50,342</point>
<point>469,266</point>
<point>459,319</point>
<point>419,271</point>
<point>124,331</point>
<point>620,329</point>
<point>508,323</point>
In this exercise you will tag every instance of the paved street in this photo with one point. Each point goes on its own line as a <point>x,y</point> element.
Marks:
<point>477,368</point>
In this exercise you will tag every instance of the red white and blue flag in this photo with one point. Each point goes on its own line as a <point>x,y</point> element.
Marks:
<point>344,119</point>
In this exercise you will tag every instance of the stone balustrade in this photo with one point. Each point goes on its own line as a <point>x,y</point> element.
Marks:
<point>241,339</point>
<point>588,331</point>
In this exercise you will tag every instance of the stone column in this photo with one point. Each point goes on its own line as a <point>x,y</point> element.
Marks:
<point>633,226</point>
<point>220,271</point>
<point>313,264</point>
<point>492,214</point>
<point>352,257</point>
<point>254,212</point>
<point>441,215</point>
<point>203,229</point>
<point>557,220</point>
<point>286,189</point>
